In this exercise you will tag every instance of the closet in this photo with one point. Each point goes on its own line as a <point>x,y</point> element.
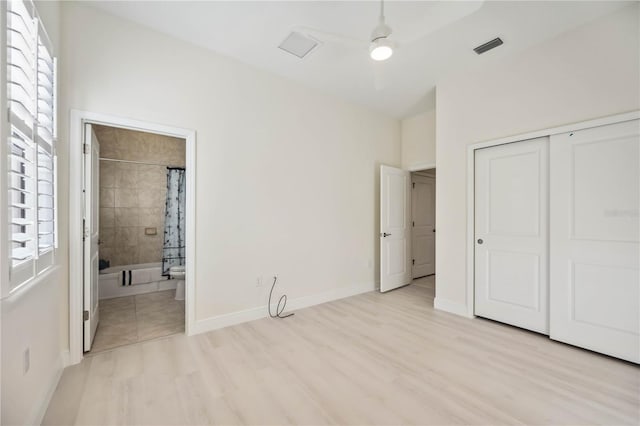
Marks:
<point>557,236</point>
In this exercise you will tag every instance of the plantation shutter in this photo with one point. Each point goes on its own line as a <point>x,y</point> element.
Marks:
<point>21,75</point>
<point>32,133</point>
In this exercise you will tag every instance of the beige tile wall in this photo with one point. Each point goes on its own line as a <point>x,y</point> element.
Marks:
<point>130,145</point>
<point>132,196</point>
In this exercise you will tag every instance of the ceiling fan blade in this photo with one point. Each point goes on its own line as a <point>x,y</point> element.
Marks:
<point>328,37</point>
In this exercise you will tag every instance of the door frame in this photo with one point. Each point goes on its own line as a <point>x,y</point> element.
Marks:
<point>470,288</point>
<point>435,202</point>
<point>421,167</point>
<point>91,201</point>
<point>76,132</point>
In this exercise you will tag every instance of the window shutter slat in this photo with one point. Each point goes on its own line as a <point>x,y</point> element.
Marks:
<point>20,253</point>
<point>21,222</point>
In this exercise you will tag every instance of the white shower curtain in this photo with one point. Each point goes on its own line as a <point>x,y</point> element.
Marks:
<point>173,253</point>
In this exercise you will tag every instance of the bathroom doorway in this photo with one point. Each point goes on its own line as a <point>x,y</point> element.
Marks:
<point>132,282</point>
<point>141,198</point>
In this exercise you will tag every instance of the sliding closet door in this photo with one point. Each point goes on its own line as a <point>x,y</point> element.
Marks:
<point>511,234</point>
<point>595,204</point>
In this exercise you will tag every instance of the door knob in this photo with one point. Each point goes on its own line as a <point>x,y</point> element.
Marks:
<point>480,241</point>
<point>384,234</point>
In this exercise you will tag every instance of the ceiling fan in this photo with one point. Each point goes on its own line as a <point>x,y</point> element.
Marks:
<point>380,45</point>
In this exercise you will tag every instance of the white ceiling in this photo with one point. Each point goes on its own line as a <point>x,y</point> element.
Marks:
<point>436,39</point>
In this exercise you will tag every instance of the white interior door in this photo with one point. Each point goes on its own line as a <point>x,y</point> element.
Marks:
<point>511,234</point>
<point>423,217</point>
<point>91,235</point>
<point>595,243</point>
<point>395,230</point>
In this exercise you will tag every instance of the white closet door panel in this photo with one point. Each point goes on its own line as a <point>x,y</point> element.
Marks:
<point>595,243</point>
<point>511,216</point>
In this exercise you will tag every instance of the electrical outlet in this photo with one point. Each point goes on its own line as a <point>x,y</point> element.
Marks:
<point>259,281</point>
<point>27,361</point>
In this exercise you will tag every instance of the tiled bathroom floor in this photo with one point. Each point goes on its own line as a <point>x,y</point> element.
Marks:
<point>131,319</point>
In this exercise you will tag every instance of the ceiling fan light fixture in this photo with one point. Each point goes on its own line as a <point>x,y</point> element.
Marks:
<point>380,49</point>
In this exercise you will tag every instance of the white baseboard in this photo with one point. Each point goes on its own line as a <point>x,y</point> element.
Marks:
<point>221,321</point>
<point>451,307</point>
<point>41,405</point>
<point>64,356</point>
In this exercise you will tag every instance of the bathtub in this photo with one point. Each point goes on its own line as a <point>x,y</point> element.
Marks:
<point>109,281</point>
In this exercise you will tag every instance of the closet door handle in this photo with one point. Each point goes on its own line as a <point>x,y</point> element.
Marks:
<point>480,241</point>
<point>384,235</point>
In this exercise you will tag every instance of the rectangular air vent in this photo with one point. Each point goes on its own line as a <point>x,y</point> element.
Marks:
<point>298,44</point>
<point>488,46</point>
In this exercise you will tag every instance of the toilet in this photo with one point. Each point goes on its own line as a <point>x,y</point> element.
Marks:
<point>178,273</point>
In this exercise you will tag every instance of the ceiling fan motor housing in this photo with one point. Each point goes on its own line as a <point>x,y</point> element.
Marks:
<point>382,30</point>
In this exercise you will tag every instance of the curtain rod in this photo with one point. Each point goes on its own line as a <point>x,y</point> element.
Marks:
<point>138,162</point>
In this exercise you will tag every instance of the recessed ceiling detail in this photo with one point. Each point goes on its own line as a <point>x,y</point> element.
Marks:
<point>298,44</point>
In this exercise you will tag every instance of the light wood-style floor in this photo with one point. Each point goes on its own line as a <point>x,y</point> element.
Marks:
<point>369,359</point>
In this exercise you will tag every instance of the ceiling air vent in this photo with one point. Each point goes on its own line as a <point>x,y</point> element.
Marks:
<point>298,44</point>
<point>488,46</point>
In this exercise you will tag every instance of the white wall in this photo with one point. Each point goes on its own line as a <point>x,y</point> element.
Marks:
<point>419,140</point>
<point>33,317</point>
<point>259,208</point>
<point>590,72</point>
<point>30,319</point>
